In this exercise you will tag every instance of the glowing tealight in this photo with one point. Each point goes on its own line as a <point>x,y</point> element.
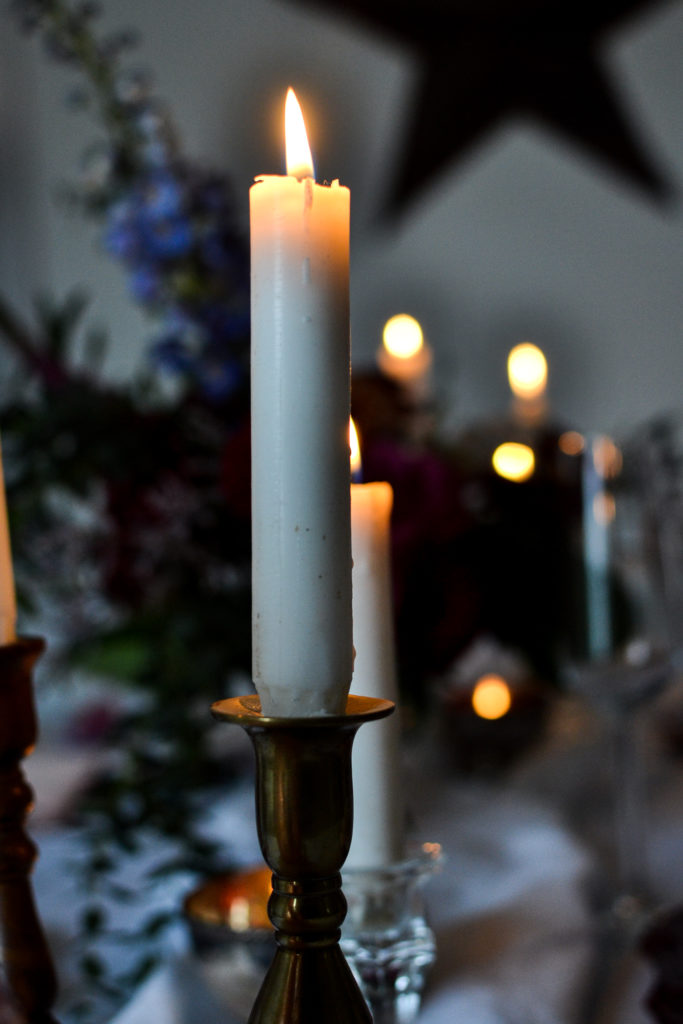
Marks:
<point>491,697</point>
<point>514,461</point>
<point>402,336</point>
<point>527,370</point>
<point>239,915</point>
<point>571,442</point>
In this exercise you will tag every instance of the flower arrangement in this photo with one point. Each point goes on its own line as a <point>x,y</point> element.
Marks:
<point>130,509</point>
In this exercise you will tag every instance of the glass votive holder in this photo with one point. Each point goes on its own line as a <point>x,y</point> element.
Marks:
<point>386,938</point>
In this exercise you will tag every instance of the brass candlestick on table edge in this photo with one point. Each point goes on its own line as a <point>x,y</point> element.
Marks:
<point>27,979</point>
<point>304,817</point>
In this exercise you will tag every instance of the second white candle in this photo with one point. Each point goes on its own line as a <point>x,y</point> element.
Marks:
<point>378,825</point>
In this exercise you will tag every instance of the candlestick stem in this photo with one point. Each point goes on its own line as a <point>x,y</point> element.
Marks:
<point>27,979</point>
<point>304,812</point>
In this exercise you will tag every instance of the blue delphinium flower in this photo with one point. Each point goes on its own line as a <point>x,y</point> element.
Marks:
<point>163,196</point>
<point>167,239</point>
<point>122,237</point>
<point>170,224</point>
<point>145,284</point>
<point>174,231</point>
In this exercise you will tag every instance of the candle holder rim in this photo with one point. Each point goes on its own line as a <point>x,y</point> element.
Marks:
<point>29,642</point>
<point>22,651</point>
<point>422,859</point>
<point>246,711</point>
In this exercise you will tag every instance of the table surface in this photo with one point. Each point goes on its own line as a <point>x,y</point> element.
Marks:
<point>515,936</point>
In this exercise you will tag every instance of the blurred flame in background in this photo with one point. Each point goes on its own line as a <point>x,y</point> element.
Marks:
<point>491,697</point>
<point>402,336</point>
<point>527,370</point>
<point>514,461</point>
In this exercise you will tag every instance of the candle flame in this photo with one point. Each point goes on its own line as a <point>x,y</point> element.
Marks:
<point>514,461</point>
<point>402,336</point>
<point>527,370</point>
<point>299,159</point>
<point>354,447</point>
<point>491,697</point>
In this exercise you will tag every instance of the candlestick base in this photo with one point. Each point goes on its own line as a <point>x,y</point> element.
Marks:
<point>27,979</point>
<point>304,815</point>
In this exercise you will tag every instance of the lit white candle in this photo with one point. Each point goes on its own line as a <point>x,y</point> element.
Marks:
<point>8,605</point>
<point>301,534</point>
<point>378,815</point>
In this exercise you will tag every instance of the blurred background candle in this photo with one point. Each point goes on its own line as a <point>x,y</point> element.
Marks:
<point>527,369</point>
<point>601,462</point>
<point>8,609</point>
<point>405,356</point>
<point>378,826</point>
<point>302,643</point>
<point>514,461</point>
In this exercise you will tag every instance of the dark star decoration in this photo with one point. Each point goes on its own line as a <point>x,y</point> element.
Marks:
<point>485,61</point>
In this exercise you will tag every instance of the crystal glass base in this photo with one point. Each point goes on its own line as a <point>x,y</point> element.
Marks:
<point>386,939</point>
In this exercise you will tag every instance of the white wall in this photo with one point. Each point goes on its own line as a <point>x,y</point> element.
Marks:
<point>524,239</point>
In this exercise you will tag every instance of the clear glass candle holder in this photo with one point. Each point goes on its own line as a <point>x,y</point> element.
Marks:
<point>386,938</point>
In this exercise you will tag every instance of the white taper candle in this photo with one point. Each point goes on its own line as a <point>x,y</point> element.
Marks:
<point>378,818</point>
<point>8,604</point>
<point>301,537</point>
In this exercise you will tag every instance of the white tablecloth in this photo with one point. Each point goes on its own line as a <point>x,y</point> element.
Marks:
<point>508,909</point>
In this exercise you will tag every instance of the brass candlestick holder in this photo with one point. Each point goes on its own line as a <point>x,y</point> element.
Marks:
<point>27,979</point>
<point>304,817</point>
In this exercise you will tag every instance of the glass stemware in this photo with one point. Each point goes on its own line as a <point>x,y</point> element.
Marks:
<point>386,938</point>
<point>621,658</point>
<point>659,452</point>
